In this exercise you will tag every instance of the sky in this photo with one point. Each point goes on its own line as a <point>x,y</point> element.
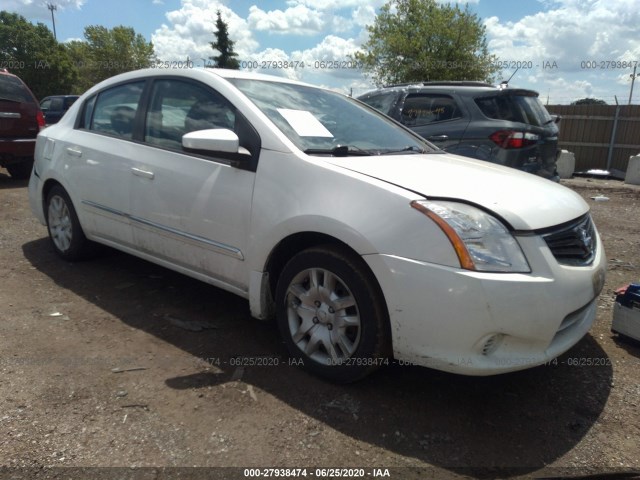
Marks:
<point>567,49</point>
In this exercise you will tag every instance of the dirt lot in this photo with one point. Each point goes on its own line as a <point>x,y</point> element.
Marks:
<point>119,363</point>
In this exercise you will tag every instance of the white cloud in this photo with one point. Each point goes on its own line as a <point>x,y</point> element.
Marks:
<point>333,5</point>
<point>364,15</point>
<point>37,9</point>
<point>570,32</point>
<point>297,20</point>
<point>190,30</point>
<point>331,57</point>
<point>561,90</point>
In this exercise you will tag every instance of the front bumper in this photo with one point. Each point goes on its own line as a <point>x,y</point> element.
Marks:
<point>477,323</point>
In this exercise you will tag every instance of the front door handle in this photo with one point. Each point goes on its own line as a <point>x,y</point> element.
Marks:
<point>142,173</point>
<point>438,138</point>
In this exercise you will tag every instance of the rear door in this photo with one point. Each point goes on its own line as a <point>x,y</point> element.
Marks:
<point>100,153</point>
<point>437,117</point>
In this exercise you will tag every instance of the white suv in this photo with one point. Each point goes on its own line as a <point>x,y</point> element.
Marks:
<point>366,242</point>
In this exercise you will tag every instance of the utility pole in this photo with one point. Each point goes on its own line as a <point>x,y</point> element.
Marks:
<point>53,7</point>
<point>633,79</point>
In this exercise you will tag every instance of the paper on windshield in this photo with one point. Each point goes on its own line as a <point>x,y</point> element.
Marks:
<point>304,123</point>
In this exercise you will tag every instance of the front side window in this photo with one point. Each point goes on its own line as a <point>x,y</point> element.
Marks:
<point>320,121</point>
<point>114,111</point>
<point>178,107</point>
<point>425,109</point>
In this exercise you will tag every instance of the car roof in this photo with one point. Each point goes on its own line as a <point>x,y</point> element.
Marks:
<point>460,87</point>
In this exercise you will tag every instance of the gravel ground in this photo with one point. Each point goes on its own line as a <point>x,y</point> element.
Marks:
<point>116,362</point>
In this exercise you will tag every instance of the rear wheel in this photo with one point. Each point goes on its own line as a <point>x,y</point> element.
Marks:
<point>65,231</point>
<point>22,170</point>
<point>331,314</point>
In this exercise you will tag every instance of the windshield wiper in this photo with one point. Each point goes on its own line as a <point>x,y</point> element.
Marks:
<point>409,149</point>
<point>339,151</point>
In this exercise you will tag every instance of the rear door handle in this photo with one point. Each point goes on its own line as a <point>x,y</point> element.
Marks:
<point>438,138</point>
<point>74,152</point>
<point>142,173</point>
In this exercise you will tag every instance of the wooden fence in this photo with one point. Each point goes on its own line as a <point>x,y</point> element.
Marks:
<point>600,136</point>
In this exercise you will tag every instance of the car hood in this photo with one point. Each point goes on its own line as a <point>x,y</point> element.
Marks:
<point>525,201</point>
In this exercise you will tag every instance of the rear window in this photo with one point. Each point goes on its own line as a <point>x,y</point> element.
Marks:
<point>514,108</point>
<point>12,88</point>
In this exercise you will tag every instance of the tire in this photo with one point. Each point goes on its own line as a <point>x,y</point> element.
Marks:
<point>22,170</point>
<point>331,314</point>
<point>65,232</point>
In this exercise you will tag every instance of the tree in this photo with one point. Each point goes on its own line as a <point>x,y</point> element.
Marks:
<point>31,52</point>
<point>106,53</point>
<point>224,45</point>
<point>589,101</point>
<point>419,40</point>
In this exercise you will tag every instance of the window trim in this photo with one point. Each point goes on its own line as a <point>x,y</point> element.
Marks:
<point>235,160</point>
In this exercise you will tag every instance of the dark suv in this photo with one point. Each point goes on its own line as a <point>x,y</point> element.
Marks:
<point>56,106</point>
<point>20,121</point>
<point>502,125</point>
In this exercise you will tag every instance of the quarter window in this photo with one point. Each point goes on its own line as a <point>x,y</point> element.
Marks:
<point>178,107</point>
<point>425,109</point>
<point>115,110</point>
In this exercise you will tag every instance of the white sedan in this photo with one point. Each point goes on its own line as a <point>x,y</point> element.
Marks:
<point>365,242</point>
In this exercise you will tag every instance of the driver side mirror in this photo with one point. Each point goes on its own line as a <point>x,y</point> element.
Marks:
<point>218,141</point>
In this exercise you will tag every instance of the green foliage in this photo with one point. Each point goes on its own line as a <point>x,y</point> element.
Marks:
<point>52,68</point>
<point>589,101</point>
<point>108,52</point>
<point>224,45</point>
<point>420,40</point>
<point>31,52</point>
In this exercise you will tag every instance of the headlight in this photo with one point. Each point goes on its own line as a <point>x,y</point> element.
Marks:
<point>481,241</point>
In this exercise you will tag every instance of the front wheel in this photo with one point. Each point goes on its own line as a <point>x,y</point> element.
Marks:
<point>331,314</point>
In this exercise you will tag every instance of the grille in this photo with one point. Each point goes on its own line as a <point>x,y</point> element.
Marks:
<point>574,243</point>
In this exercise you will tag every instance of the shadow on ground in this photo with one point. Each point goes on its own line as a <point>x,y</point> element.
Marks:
<point>7,182</point>
<point>481,426</point>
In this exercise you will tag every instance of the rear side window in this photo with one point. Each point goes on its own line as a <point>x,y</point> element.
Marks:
<point>424,109</point>
<point>69,101</point>
<point>115,110</point>
<point>514,108</point>
<point>56,104</point>
<point>12,89</point>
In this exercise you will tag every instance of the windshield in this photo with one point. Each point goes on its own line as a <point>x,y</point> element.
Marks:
<point>323,122</point>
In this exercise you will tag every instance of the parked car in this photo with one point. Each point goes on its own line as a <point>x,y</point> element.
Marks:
<point>365,242</point>
<point>56,106</point>
<point>508,126</point>
<point>20,121</point>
